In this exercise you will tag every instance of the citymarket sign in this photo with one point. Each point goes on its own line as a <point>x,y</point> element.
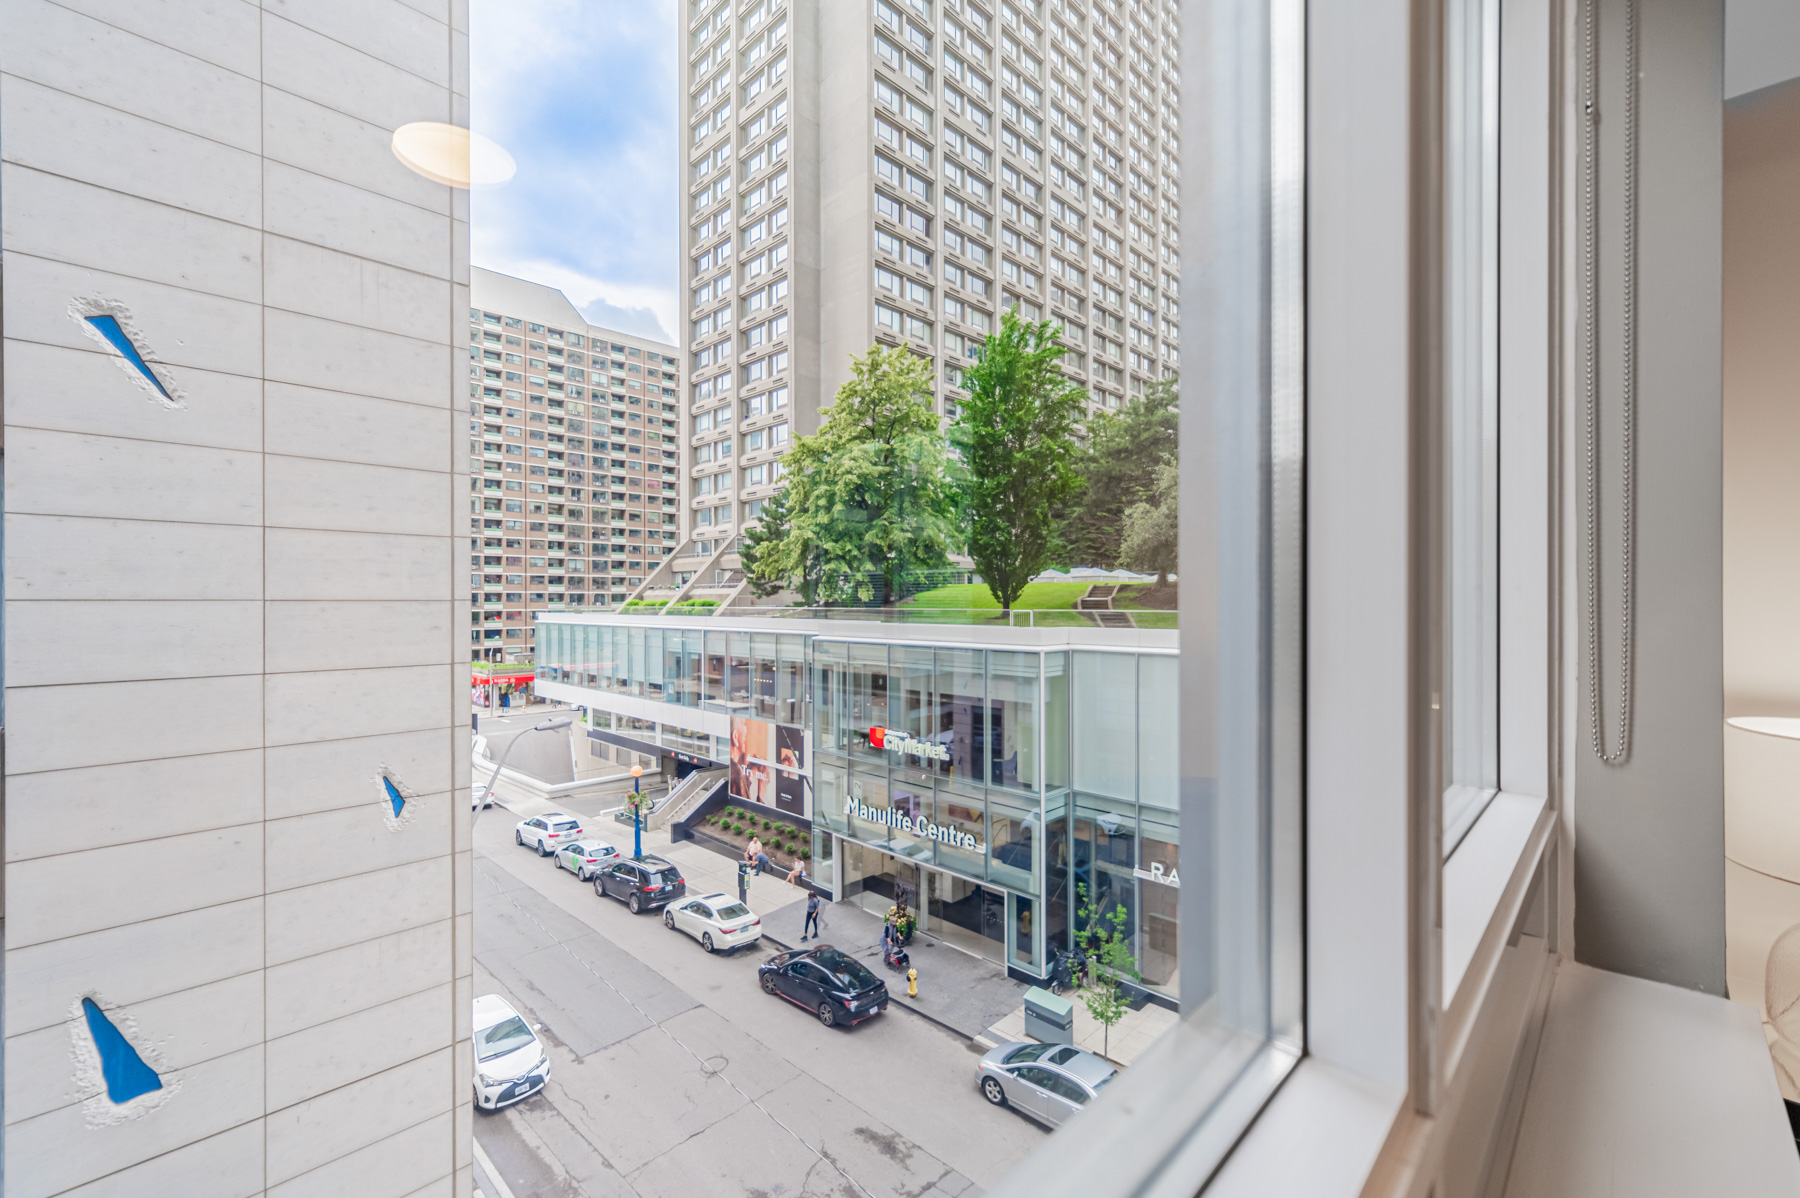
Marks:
<point>896,741</point>
<point>917,825</point>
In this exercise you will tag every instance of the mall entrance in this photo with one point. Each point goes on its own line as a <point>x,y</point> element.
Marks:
<point>952,908</point>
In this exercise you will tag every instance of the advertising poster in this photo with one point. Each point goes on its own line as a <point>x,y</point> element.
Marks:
<point>752,779</point>
<point>767,765</point>
<point>790,759</point>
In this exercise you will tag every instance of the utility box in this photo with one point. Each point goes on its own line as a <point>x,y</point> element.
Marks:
<point>1048,1017</point>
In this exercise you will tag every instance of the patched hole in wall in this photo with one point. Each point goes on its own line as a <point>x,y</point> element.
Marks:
<point>399,802</point>
<point>110,323</point>
<point>120,1073</point>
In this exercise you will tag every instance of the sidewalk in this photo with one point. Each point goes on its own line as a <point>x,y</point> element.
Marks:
<point>1130,1036</point>
<point>958,991</point>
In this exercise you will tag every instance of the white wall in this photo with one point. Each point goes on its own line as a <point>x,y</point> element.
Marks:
<point>223,620</point>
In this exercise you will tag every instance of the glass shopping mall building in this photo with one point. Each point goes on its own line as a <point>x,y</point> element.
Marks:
<point>1000,778</point>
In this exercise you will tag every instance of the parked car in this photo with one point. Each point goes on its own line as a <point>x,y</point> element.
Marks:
<point>480,797</point>
<point>834,986</point>
<point>547,833</point>
<point>1049,1082</point>
<point>718,921</point>
<point>583,857</point>
<point>641,883</point>
<point>510,1063</point>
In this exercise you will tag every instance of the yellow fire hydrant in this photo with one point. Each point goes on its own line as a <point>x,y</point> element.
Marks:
<point>912,983</point>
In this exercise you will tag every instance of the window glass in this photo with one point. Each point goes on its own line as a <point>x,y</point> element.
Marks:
<point>1104,727</point>
<point>1471,552</point>
<point>1013,717</point>
<point>961,696</point>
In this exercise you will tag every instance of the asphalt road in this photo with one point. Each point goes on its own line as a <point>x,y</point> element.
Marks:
<point>674,1076</point>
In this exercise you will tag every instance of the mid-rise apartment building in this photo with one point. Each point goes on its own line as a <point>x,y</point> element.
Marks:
<point>901,172</point>
<point>574,461</point>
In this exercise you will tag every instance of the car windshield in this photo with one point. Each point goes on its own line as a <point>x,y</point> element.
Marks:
<point>849,973</point>
<point>509,1035</point>
<point>1029,1052</point>
<point>566,826</point>
<point>734,911</point>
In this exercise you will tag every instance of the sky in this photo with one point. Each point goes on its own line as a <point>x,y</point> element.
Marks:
<point>583,94</point>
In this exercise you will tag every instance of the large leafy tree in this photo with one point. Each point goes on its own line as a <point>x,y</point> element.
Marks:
<point>1118,462</point>
<point>1016,438</point>
<point>870,492</point>
<point>1152,525</point>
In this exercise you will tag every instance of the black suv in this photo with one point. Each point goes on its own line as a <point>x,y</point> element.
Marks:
<point>831,984</point>
<point>642,883</point>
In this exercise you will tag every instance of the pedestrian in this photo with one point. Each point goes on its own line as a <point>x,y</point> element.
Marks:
<point>797,875</point>
<point>762,862</point>
<point>887,933</point>
<point>812,918</point>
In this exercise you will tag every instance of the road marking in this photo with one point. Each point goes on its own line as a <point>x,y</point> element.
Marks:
<point>676,1040</point>
<point>493,1174</point>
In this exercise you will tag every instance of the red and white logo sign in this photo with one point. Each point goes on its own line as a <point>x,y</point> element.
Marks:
<point>877,738</point>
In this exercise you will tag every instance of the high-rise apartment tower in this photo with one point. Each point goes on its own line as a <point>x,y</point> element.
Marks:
<point>900,172</point>
<point>574,461</point>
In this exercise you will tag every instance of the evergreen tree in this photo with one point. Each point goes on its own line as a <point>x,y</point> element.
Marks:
<point>1016,438</point>
<point>761,552</point>
<point>1118,462</point>
<point>870,492</point>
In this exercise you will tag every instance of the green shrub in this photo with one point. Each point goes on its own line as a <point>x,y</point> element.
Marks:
<point>738,828</point>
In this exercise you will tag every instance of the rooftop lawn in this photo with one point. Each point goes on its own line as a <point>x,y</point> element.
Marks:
<point>1038,596</point>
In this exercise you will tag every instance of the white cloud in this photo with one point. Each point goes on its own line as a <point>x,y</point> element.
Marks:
<point>583,93</point>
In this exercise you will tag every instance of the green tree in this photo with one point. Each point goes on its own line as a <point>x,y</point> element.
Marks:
<point>1150,540</point>
<point>1101,934</point>
<point>761,551</point>
<point>871,491</point>
<point>1016,438</point>
<point>1118,464</point>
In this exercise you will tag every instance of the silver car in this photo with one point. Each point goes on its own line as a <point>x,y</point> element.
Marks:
<point>1049,1082</point>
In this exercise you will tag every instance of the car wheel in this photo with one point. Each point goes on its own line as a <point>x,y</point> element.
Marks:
<point>542,851</point>
<point>518,838</point>
<point>599,890</point>
<point>827,1016</point>
<point>669,920</point>
<point>992,1091</point>
<point>768,984</point>
<point>706,941</point>
<point>635,904</point>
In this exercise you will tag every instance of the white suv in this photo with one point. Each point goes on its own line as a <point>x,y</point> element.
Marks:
<point>509,1061</point>
<point>547,833</point>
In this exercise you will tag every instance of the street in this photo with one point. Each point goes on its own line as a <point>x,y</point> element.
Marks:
<point>673,1075</point>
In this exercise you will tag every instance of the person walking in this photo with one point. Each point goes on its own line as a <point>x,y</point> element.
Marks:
<point>812,918</point>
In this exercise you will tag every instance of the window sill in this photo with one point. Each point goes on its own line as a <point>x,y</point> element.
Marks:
<point>1167,1123</point>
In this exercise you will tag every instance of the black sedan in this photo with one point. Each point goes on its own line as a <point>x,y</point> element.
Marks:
<point>641,883</point>
<point>831,984</point>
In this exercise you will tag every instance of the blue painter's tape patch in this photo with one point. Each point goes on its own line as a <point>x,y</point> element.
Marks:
<point>108,327</point>
<point>127,1077</point>
<point>394,796</point>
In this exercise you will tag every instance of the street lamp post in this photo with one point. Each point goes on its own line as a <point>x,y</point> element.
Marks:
<point>637,813</point>
<point>561,721</point>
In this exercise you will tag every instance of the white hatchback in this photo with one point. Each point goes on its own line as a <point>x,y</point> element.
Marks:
<point>510,1063</point>
<point>584,857</point>
<point>718,921</point>
<point>547,833</point>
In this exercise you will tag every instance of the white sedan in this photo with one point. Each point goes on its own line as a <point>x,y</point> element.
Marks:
<point>718,921</point>
<point>584,857</point>
<point>510,1063</point>
<point>547,833</point>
